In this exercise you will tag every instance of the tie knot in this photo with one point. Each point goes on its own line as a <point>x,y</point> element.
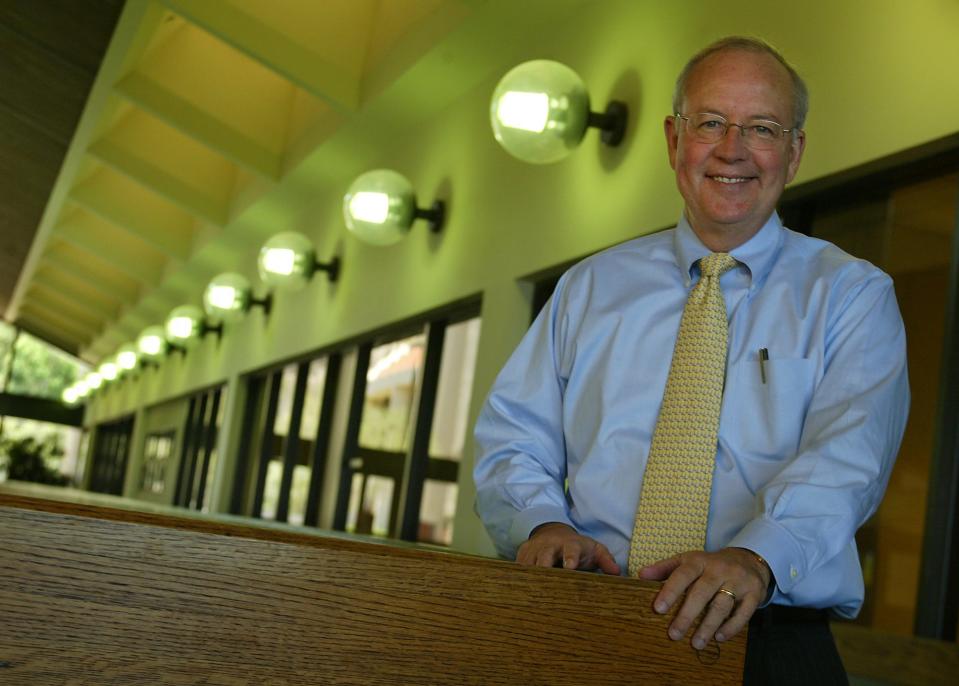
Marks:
<point>717,264</point>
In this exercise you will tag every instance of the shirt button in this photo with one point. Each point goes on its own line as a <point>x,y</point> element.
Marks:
<point>793,572</point>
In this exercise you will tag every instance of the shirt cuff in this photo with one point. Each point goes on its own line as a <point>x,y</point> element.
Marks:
<point>776,545</point>
<point>527,520</point>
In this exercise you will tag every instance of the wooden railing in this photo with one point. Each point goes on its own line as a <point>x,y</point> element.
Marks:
<point>93,595</point>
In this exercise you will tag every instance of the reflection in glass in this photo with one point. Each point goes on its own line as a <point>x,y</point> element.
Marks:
<point>437,511</point>
<point>391,382</point>
<point>451,413</point>
<point>281,427</point>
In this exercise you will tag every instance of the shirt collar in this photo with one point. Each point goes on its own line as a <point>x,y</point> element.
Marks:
<point>757,254</point>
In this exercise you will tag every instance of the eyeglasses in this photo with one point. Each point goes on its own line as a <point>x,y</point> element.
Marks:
<point>758,134</point>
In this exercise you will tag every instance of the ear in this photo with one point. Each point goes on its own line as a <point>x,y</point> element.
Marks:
<point>672,138</point>
<point>796,148</point>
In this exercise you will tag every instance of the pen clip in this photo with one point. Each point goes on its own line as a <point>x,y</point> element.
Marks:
<point>763,358</point>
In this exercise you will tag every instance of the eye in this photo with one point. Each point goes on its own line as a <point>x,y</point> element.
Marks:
<point>762,131</point>
<point>711,124</point>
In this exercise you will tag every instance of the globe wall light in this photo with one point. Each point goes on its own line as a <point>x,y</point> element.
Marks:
<point>229,296</point>
<point>380,207</point>
<point>82,389</point>
<point>152,343</point>
<point>540,112</point>
<point>93,380</point>
<point>108,370</point>
<point>70,395</point>
<point>288,261</point>
<point>185,326</point>
<point>126,358</point>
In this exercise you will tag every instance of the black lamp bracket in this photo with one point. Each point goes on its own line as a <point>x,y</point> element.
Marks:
<point>332,268</point>
<point>611,123</point>
<point>266,302</point>
<point>206,327</point>
<point>434,215</point>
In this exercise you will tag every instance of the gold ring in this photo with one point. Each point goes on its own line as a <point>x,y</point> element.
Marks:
<point>727,592</point>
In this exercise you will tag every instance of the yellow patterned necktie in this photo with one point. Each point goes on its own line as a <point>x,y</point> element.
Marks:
<point>674,502</point>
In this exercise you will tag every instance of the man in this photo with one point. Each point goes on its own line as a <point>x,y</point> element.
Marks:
<point>809,408</point>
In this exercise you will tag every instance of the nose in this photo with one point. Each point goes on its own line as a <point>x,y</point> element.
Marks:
<point>732,146</point>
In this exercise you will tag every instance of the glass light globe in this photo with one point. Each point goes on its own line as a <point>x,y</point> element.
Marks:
<point>70,395</point>
<point>227,297</point>
<point>108,371</point>
<point>379,207</point>
<point>539,111</point>
<point>126,357</point>
<point>183,325</point>
<point>287,261</point>
<point>82,388</point>
<point>152,342</point>
<point>94,381</point>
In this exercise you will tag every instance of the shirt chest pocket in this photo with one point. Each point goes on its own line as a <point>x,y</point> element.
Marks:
<point>764,408</point>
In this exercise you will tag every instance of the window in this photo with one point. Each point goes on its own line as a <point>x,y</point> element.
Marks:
<point>111,449</point>
<point>407,428</point>
<point>283,446</point>
<point>156,458</point>
<point>198,456</point>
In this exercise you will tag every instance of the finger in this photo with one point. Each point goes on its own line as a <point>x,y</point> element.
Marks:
<point>659,570</point>
<point>698,596</point>
<point>720,607</point>
<point>547,556</point>
<point>573,557</point>
<point>604,559</point>
<point>738,619</point>
<point>686,570</point>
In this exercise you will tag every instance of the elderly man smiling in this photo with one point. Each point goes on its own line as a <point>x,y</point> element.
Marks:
<point>717,406</point>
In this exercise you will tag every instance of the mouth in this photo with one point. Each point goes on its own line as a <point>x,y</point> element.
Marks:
<point>730,180</point>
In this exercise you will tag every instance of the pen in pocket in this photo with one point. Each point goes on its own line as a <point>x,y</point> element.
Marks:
<point>763,357</point>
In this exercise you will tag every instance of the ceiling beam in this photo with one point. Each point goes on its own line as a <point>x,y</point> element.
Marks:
<point>49,333</point>
<point>57,320</point>
<point>183,195</point>
<point>82,308</point>
<point>65,282</point>
<point>211,131</point>
<point>100,280</point>
<point>329,82</point>
<point>173,240</point>
<point>131,262</point>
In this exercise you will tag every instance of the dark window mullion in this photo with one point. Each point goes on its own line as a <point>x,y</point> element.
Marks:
<point>419,452</point>
<point>186,445</point>
<point>351,440</point>
<point>322,443</point>
<point>199,421</point>
<point>291,450</point>
<point>266,442</point>
<point>208,448</point>
<point>254,394</point>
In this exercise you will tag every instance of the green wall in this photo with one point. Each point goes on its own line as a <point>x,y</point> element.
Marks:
<point>881,76</point>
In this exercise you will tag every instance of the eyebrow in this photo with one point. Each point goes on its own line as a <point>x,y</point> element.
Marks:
<point>764,117</point>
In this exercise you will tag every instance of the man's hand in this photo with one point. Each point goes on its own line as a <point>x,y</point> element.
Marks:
<point>554,542</point>
<point>701,576</point>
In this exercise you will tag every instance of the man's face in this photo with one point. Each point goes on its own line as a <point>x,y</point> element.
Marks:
<point>731,190</point>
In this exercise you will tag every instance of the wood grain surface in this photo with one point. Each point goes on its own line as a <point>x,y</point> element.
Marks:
<point>92,595</point>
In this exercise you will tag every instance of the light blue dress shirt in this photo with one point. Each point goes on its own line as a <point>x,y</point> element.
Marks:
<point>802,458</point>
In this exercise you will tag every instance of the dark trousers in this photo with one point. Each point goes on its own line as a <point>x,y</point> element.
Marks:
<point>790,646</point>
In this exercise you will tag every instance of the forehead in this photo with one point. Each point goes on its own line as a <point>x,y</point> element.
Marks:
<point>736,79</point>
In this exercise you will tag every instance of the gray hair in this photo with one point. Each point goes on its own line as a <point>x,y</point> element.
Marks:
<point>746,44</point>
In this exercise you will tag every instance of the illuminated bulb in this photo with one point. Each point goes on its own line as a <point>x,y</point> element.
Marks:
<point>370,207</point>
<point>70,395</point>
<point>94,381</point>
<point>280,261</point>
<point>108,370</point>
<point>526,111</point>
<point>82,388</point>
<point>224,297</point>
<point>126,358</point>
<point>180,327</point>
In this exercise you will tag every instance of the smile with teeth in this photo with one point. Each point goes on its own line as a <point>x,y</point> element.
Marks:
<point>731,179</point>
